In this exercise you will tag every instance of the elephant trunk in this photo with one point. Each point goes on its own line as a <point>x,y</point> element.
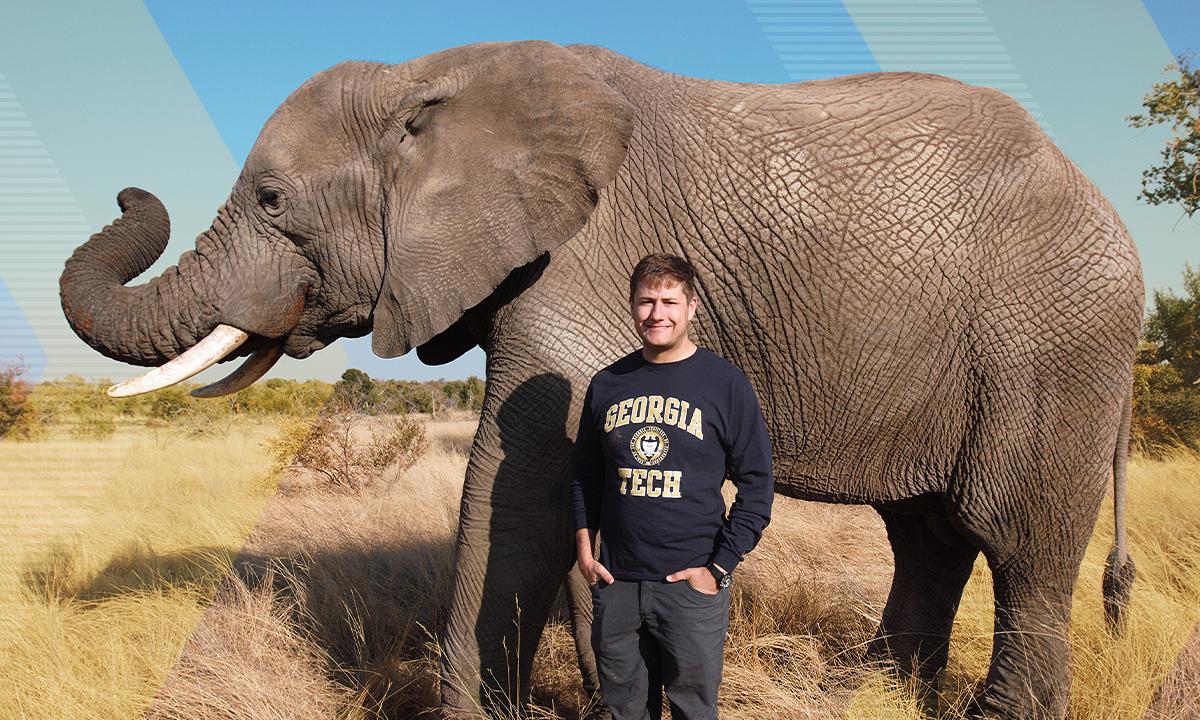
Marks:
<point>146,324</point>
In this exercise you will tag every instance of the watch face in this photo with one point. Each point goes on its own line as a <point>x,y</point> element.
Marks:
<point>726,580</point>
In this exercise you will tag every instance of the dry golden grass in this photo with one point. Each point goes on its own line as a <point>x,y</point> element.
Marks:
<point>330,609</point>
<point>1178,698</point>
<point>113,548</point>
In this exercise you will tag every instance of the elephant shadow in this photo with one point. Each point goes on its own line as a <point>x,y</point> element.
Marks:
<point>56,573</point>
<point>535,448</point>
<point>363,617</point>
<point>371,610</point>
<point>365,606</point>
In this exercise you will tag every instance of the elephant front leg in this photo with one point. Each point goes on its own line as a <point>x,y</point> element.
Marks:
<point>512,550</point>
<point>579,601</point>
<point>933,564</point>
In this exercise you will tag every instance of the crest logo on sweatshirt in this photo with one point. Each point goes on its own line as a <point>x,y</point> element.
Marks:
<point>649,445</point>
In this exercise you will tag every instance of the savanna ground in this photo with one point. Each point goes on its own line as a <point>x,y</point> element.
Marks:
<point>169,573</point>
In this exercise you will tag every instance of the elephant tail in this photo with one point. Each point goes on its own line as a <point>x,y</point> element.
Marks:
<point>1119,572</point>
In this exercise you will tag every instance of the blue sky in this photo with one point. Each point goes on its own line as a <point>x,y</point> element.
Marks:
<point>177,102</point>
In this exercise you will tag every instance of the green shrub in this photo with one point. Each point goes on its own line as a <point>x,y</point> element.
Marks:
<point>170,403</point>
<point>464,394</point>
<point>87,407</point>
<point>282,397</point>
<point>93,425</point>
<point>405,396</point>
<point>1166,410</point>
<point>357,392</point>
<point>73,400</point>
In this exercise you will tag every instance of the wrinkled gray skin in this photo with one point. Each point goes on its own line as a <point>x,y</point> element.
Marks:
<point>937,310</point>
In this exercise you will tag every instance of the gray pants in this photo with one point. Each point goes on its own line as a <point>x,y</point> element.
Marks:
<point>654,635</point>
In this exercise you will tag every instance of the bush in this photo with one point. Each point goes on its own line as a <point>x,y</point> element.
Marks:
<point>464,394</point>
<point>330,446</point>
<point>281,397</point>
<point>357,392</point>
<point>170,403</point>
<point>1166,410</point>
<point>17,417</point>
<point>1166,397</point>
<point>85,405</point>
<point>93,413</point>
<point>93,425</point>
<point>1172,328</point>
<point>29,426</point>
<point>405,396</point>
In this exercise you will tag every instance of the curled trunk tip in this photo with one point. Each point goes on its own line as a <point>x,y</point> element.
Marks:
<point>126,323</point>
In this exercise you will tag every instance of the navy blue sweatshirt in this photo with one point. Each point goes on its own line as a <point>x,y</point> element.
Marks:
<point>655,443</point>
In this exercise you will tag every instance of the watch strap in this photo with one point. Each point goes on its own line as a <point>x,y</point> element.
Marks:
<point>723,578</point>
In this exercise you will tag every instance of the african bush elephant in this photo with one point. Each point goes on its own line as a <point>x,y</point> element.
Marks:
<point>938,311</point>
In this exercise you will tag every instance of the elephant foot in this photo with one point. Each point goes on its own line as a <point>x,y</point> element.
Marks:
<point>597,711</point>
<point>1016,696</point>
<point>988,706</point>
<point>907,655</point>
<point>458,714</point>
<point>922,676</point>
<point>447,712</point>
<point>1028,677</point>
<point>456,705</point>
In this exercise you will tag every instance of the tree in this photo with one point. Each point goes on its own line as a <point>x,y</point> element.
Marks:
<point>1177,103</point>
<point>14,398</point>
<point>1173,327</point>
<point>357,391</point>
<point>464,394</point>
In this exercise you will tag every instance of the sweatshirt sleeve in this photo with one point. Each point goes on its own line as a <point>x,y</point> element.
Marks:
<point>749,468</point>
<point>587,468</point>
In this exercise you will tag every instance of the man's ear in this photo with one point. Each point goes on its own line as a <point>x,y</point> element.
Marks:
<point>493,156</point>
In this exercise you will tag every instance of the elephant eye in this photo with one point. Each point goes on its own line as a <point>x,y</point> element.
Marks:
<point>270,200</point>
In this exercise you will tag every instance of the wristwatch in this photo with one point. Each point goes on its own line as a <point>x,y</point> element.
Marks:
<point>723,578</point>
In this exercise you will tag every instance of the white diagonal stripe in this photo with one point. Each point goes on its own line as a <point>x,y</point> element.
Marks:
<point>928,36</point>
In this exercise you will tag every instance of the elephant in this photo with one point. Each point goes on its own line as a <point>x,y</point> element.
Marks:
<point>938,311</point>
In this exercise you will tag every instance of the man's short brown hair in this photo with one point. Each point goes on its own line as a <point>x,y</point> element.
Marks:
<point>663,269</point>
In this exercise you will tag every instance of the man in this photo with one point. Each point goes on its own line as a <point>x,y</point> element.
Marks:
<point>661,428</point>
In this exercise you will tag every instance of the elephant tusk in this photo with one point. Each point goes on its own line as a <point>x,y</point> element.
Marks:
<point>252,369</point>
<point>219,343</point>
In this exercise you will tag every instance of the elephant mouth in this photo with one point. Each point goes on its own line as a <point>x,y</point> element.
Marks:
<point>221,342</point>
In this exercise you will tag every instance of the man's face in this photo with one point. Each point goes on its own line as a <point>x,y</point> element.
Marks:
<point>661,315</point>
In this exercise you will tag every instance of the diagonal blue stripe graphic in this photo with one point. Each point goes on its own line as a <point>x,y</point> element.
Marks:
<point>813,39</point>
<point>18,344</point>
<point>1178,22</point>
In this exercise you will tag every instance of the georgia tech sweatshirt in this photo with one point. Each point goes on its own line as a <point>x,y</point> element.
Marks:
<point>656,441</point>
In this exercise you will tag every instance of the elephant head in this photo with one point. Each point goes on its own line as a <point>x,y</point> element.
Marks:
<point>384,198</point>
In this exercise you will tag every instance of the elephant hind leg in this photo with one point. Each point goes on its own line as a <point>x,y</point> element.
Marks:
<point>1029,675</point>
<point>933,564</point>
<point>1030,503</point>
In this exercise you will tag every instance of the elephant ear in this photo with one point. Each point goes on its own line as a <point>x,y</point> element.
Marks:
<point>493,155</point>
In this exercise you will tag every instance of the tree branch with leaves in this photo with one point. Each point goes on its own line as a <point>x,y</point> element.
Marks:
<point>1175,102</point>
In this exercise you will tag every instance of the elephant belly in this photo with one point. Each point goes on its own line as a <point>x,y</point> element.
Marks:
<point>898,452</point>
